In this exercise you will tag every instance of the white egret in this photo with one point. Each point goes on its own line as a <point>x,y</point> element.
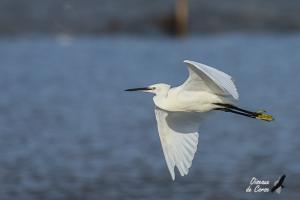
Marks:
<point>179,111</point>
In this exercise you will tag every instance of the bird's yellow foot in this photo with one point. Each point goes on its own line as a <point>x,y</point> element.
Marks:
<point>261,114</point>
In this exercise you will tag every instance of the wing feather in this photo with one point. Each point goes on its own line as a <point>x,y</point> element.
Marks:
<point>203,77</point>
<point>179,144</point>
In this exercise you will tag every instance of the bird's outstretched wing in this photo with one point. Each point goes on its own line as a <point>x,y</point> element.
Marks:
<point>203,77</point>
<point>178,132</point>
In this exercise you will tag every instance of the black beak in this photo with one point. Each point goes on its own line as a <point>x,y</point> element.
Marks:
<point>138,89</point>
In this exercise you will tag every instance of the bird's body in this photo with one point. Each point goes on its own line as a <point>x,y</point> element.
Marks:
<point>179,111</point>
<point>189,101</point>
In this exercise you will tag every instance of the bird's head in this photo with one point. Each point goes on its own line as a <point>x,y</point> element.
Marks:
<point>158,89</point>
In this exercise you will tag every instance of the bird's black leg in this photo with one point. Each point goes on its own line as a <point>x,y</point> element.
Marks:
<point>234,109</point>
<point>239,109</point>
<point>236,112</point>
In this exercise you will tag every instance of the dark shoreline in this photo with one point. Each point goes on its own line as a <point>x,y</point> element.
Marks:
<point>145,18</point>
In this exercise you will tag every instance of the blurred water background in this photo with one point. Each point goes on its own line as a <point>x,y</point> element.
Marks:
<point>69,131</point>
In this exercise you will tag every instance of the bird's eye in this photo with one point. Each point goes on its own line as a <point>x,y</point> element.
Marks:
<point>153,88</point>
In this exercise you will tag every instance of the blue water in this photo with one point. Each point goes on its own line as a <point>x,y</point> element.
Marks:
<point>69,131</point>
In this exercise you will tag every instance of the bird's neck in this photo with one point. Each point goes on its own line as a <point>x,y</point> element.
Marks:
<point>160,100</point>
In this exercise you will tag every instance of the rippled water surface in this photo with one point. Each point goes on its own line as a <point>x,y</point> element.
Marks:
<point>69,131</point>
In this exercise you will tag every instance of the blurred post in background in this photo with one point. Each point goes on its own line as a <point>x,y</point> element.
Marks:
<point>181,17</point>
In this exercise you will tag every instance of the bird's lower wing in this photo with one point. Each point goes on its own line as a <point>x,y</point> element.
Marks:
<point>179,139</point>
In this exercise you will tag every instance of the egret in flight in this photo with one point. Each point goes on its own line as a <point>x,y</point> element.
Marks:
<point>179,110</point>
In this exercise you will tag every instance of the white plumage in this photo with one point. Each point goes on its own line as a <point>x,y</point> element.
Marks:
<point>179,142</point>
<point>210,78</point>
<point>179,111</point>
